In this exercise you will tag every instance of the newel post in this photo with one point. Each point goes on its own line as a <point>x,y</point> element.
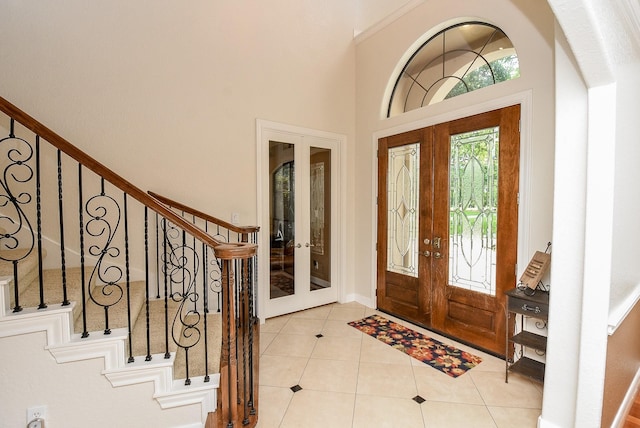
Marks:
<point>238,394</point>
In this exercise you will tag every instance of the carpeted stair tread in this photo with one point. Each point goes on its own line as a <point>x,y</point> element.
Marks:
<point>156,326</point>
<point>53,292</point>
<point>196,353</point>
<point>118,313</point>
<point>27,268</point>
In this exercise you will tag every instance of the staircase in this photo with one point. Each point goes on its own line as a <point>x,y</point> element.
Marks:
<point>163,293</point>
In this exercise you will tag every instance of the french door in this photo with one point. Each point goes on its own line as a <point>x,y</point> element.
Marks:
<point>302,209</point>
<point>447,225</point>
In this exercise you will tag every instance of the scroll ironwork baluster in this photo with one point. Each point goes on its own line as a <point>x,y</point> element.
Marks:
<point>146,282</point>
<point>109,275</point>
<point>18,235</point>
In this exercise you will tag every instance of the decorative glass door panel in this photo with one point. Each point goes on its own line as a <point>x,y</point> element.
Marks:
<point>474,210</point>
<point>402,201</point>
<point>282,214</point>
<point>320,218</point>
<point>302,208</point>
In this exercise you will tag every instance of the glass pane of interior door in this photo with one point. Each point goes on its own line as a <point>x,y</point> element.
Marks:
<point>402,218</point>
<point>282,219</point>
<point>320,218</point>
<point>474,210</point>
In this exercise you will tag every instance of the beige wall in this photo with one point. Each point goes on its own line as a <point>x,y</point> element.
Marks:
<point>76,394</point>
<point>530,26</point>
<point>167,94</point>
<point>623,362</point>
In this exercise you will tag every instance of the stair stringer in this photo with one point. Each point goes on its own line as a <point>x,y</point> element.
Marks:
<point>64,346</point>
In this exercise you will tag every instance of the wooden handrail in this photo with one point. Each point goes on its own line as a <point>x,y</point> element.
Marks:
<point>222,250</point>
<point>230,226</point>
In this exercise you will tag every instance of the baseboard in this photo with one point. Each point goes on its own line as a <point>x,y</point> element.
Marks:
<point>546,424</point>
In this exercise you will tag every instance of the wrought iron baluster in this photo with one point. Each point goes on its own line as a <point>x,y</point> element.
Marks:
<point>127,274</point>
<point>42,304</point>
<point>167,355</point>
<point>146,282</point>
<point>244,322</point>
<point>18,235</point>
<point>251,322</point>
<point>205,297</point>
<point>65,298</point>
<point>157,257</point>
<point>100,227</point>
<point>85,333</point>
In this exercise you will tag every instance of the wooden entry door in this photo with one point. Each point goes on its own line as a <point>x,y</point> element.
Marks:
<point>447,225</point>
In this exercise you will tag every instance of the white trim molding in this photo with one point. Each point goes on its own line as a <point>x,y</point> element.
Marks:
<point>65,347</point>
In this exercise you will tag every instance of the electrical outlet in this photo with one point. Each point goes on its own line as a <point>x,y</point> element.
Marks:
<point>36,423</point>
<point>235,218</point>
<point>36,412</point>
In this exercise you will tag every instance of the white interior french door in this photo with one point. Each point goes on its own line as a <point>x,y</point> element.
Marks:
<point>298,235</point>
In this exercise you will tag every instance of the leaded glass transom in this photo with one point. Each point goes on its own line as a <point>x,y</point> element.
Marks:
<point>402,201</point>
<point>474,210</point>
<point>457,60</point>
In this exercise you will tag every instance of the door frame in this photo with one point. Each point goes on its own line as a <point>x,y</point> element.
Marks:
<point>525,99</point>
<point>262,205</point>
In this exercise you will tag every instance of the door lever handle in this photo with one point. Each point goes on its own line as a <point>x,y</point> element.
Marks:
<point>425,253</point>
<point>437,242</point>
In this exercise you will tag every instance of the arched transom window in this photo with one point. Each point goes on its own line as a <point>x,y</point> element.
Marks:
<point>457,60</point>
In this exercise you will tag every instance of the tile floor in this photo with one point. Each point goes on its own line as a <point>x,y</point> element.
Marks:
<point>350,379</point>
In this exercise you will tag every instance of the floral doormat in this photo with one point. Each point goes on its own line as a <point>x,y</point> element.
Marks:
<point>446,358</point>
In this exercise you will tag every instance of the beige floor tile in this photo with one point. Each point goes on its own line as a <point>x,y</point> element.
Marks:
<point>375,351</point>
<point>319,409</point>
<point>386,380</point>
<point>330,375</point>
<point>294,345</point>
<point>338,348</point>
<point>340,328</point>
<point>433,385</point>
<point>350,379</point>
<point>265,340</point>
<point>273,404</point>
<point>346,313</point>
<point>304,326</point>
<point>454,415</point>
<point>281,371</point>
<point>519,392</point>
<point>274,325</point>
<point>386,412</point>
<point>509,417</point>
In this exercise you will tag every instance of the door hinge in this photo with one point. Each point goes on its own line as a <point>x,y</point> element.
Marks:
<point>518,198</point>
<point>516,269</point>
<point>519,125</point>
